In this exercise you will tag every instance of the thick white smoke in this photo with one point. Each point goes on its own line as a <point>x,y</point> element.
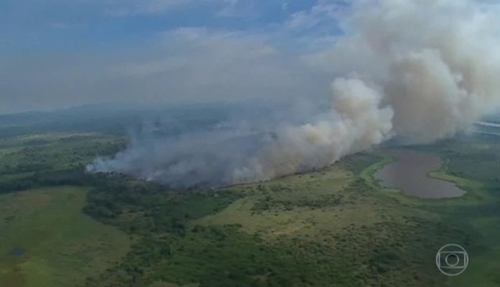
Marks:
<point>424,70</point>
<point>437,61</point>
<point>353,124</point>
<point>245,154</point>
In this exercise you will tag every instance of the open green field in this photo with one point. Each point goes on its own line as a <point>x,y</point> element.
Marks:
<point>47,241</point>
<point>52,151</point>
<point>333,227</point>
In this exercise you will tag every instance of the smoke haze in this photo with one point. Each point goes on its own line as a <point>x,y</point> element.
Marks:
<point>416,70</point>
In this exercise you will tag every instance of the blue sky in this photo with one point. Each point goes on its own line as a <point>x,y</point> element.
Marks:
<point>61,53</point>
<point>36,26</point>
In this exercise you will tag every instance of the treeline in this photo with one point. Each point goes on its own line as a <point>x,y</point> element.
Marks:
<point>356,163</point>
<point>76,176</point>
<point>161,209</point>
<point>141,207</point>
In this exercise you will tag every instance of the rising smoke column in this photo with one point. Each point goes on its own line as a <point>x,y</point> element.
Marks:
<point>353,124</point>
<point>438,62</point>
<point>423,70</point>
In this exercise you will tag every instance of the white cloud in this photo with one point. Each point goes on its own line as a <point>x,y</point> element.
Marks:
<point>134,7</point>
<point>183,65</point>
<point>324,11</point>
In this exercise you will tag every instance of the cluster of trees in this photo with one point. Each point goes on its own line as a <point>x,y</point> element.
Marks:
<point>356,163</point>
<point>357,187</point>
<point>75,176</point>
<point>384,254</point>
<point>268,203</point>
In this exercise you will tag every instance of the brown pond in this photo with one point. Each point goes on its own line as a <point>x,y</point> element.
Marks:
<point>410,174</point>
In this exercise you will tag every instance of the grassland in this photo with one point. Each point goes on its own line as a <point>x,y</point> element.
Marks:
<point>327,228</point>
<point>45,238</point>
<point>333,227</point>
<point>300,205</point>
<point>47,241</point>
<point>52,151</point>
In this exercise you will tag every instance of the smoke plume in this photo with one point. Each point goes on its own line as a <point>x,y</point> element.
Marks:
<point>416,70</point>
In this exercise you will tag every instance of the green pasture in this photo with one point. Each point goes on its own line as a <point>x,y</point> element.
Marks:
<point>46,241</point>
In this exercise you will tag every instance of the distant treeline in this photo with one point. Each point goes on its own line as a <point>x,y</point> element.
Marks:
<point>76,176</point>
<point>114,119</point>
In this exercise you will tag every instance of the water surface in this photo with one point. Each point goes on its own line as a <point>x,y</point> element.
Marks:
<point>410,174</point>
<point>16,251</point>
